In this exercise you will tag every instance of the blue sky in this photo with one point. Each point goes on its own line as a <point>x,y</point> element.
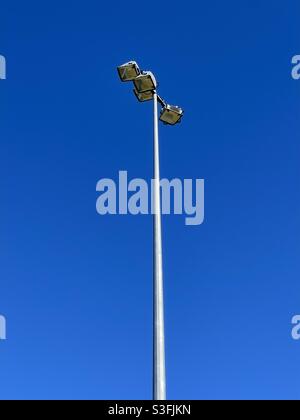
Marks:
<point>76,287</point>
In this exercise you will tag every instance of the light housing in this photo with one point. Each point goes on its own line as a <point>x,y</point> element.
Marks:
<point>144,96</point>
<point>129,71</point>
<point>145,82</point>
<point>171,114</point>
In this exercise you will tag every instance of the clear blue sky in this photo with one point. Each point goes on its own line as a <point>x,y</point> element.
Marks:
<point>76,287</point>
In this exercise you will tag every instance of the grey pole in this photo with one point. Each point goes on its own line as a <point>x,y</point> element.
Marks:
<point>159,370</point>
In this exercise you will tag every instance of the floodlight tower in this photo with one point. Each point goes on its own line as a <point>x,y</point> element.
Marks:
<point>145,86</point>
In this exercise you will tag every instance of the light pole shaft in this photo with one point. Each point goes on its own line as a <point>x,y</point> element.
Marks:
<point>159,370</point>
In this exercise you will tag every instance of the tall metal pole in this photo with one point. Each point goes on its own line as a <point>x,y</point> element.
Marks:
<point>159,370</point>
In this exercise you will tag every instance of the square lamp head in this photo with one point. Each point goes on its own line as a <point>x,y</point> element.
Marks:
<point>171,115</point>
<point>144,96</point>
<point>145,82</point>
<point>129,71</point>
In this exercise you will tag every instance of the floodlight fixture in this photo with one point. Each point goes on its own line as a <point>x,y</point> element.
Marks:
<point>144,96</point>
<point>129,71</point>
<point>171,114</point>
<point>145,82</point>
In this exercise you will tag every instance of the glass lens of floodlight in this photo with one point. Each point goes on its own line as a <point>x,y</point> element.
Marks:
<point>171,115</point>
<point>144,96</point>
<point>129,71</point>
<point>145,82</point>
